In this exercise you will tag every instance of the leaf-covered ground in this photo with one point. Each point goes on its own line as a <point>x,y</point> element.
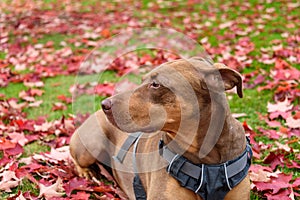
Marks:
<point>42,44</point>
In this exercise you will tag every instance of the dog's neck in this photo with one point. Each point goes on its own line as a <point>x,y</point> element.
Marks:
<point>219,137</point>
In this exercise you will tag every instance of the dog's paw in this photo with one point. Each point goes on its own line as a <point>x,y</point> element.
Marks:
<point>87,173</point>
<point>84,172</point>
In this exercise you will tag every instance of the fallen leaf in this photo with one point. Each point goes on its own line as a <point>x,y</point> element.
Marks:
<point>18,106</point>
<point>9,181</point>
<point>18,138</point>
<point>59,154</point>
<point>80,196</point>
<point>6,144</point>
<point>276,183</point>
<point>260,175</point>
<point>283,106</point>
<point>65,99</point>
<point>55,155</point>
<point>34,92</point>
<point>284,147</point>
<point>36,103</point>
<point>17,150</point>
<point>59,106</point>
<point>274,159</point>
<point>292,123</point>
<point>281,195</point>
<point>104,89</point>
<point>43,127</point>
<point>18,196</point>
<point>34,84</point>
<point>51,190</point>
<point>75,183</point>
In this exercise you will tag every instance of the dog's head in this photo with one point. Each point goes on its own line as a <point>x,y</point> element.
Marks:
<point>171,94</point>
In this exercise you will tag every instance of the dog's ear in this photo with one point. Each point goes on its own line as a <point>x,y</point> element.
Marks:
<point>231,78</point>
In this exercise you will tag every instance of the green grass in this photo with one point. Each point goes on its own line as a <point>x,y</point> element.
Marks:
<point>53,87</point>
<point>2,55</point>
<point>60,85</point>
<point>50,1</point>
<point>12,90</point>
<point>56,38</point>
<point>91,103</point>
<point>27,185</point>
<point>251,107</point>
<point>34,148</point>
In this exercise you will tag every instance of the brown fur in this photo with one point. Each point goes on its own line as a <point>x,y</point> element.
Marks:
<point>167,105</point>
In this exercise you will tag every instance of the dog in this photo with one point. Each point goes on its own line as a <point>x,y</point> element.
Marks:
<point>184,143</point>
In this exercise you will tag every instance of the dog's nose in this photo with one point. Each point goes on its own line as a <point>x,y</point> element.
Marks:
<point>106,104</point>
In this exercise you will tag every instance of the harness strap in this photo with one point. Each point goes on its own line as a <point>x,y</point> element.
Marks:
<point>188,168</point>
<point>138,188</point>
<point>195,170</point>
<point>197,177</point>
<point>126,146</point>
<point>135,169</point>
<point>133,139</point>
<point>240,164</point>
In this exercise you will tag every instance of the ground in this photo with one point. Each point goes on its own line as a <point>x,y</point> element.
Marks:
<point>44,43</point>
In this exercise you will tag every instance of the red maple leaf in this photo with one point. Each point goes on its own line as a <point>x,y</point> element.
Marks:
<point>64,99</point>
<point>276,183</point>
<point>51,190</point>
<point>18,149</point>
<point>59,106</point>
<point>81,196</point>
<point>104,89</point>
<point>76,183</point>
<point>281,195</point>
<point>6,144</point>
<point>274,160</point>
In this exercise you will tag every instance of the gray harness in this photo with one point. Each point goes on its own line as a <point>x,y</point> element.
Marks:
<point>211,182</point>
<point>133,139</point>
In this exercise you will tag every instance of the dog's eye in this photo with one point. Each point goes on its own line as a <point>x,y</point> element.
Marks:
<point>154,85</point>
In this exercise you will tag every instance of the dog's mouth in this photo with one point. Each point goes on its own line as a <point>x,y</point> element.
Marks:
<point>109,117</point>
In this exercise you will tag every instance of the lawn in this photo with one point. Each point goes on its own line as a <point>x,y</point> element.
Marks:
<point>46,91</point>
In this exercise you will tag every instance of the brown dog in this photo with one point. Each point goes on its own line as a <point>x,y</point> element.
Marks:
<point>182,104</point>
